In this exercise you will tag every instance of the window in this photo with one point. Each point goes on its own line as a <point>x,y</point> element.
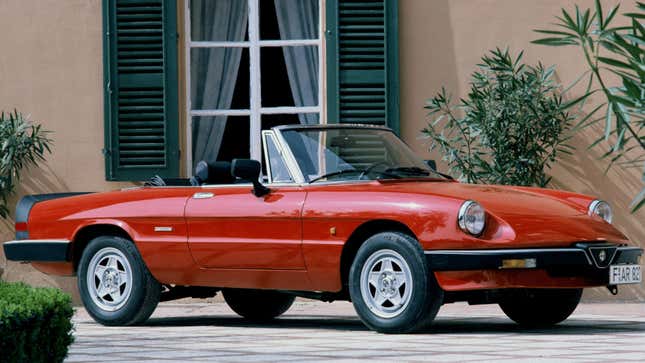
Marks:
<point>277,171</point>
<point>251,65</point>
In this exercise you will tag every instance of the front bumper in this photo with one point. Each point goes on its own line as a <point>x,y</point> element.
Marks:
<point>590,260</point>
<point>37,250</point>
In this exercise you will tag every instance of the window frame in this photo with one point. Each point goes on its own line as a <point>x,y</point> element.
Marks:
<point>266,135</point>
<point>254,44</point>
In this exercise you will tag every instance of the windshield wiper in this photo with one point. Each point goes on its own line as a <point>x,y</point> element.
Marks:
<point>339,172</point>
<point>414,170</point>
<point>348,171</point>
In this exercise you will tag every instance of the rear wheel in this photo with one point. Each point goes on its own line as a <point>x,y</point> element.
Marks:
<point>390,285</point>
<point>115,284</point>
<point>258,304</point>
<point>541,307</point>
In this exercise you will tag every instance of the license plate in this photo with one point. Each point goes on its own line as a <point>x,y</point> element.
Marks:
<point>625,274</point>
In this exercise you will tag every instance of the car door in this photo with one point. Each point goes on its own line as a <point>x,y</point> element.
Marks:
<point>229,227</point>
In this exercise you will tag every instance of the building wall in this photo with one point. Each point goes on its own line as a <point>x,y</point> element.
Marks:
<point>441,41</point>
<point>51,69</point>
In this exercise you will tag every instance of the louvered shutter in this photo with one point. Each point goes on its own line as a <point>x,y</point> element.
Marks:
<point>141,102</point>
<point>362,62</point>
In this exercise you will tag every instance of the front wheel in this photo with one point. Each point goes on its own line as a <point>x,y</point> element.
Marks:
<point>258,304</point>
<point>390,284</point>
<point>537,308</point>
<point>114,283</point>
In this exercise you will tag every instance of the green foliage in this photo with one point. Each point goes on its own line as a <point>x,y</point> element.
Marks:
<point>510,127</point>
<point>35,324</point>
<point>611,50</point>
<point>21,144</point>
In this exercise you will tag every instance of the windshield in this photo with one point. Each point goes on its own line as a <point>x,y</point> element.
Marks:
<point>354,154</point>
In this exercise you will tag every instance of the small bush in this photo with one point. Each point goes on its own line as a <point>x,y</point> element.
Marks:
<point>22,144</point>
<point>509,128</point>
<point>35,323</point>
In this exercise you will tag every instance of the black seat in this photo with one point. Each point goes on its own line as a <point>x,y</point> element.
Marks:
<point>218,172</point>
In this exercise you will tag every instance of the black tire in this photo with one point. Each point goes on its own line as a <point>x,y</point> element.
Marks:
<point>144,292</point>
<point>423,300</point>
<point>540,308</point>
<point>258,305</point>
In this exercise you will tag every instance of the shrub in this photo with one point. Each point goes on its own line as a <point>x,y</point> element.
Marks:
<point>605,50</point>
<point>509,128</point>
<point>35,323</point>
<point>21,144</point>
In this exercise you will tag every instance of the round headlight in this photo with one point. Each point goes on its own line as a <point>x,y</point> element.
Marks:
<point>602,209</point>
<point>472,218</point>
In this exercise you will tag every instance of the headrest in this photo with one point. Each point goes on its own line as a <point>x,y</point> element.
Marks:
<point>201,171</point>
<point>218,172</point>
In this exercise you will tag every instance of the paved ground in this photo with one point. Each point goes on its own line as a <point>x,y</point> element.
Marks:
<point>313,331</point>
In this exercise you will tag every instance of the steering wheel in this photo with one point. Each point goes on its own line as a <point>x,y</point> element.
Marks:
<point>371,167</point>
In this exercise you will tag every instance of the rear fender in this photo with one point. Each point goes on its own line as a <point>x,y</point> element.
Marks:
<point>24,206</point>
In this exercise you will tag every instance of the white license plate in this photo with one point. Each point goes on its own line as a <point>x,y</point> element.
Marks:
<point>625,274</point>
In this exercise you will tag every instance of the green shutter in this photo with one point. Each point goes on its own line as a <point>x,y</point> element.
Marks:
<point>141,102</point>
<point>362,62</point>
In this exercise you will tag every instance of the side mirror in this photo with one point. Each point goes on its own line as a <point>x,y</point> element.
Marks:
<point>247,169</point>
<point>432,164</point>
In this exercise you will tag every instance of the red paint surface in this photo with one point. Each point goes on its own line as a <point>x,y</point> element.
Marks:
<point>284,240</point>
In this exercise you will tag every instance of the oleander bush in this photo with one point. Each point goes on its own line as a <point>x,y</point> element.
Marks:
<point>35,323</point>
<point>509,128</point>
<point>22,143</point>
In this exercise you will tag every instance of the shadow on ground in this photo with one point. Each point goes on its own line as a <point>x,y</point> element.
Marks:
<point>475,325</point>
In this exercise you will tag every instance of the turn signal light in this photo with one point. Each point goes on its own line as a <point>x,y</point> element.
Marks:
<point>21,227</point>
<point>22,231</point>
<point>519,263</point>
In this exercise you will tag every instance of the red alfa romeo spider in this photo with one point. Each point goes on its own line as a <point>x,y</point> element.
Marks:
<point>342,212</point>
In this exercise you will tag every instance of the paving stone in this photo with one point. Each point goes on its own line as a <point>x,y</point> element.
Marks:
<point>314,331</point>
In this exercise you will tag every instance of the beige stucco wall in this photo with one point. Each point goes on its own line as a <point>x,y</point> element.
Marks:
<point>51,68</point>
<point>441,41</point>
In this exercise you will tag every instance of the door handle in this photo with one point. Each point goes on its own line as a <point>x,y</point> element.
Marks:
<point>203,195</point>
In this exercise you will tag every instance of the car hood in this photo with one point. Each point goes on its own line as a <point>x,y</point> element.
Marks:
<point>507,201</point>
<point>525,215</point>
<point>500,200</point>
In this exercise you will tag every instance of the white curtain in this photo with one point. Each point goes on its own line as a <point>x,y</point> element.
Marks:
<point>214,70</point>
<point>298,19</point>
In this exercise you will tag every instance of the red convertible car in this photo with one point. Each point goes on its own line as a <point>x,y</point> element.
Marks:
<point>343,212</point>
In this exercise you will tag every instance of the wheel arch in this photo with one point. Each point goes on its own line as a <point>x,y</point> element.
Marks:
<point>86,233</point>
<point>360,235</point>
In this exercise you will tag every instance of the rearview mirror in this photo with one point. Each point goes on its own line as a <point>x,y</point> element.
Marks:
<point>248,169</point>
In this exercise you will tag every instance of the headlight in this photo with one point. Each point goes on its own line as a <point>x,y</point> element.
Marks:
<point>472,218</point>
<point>602,209</point>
